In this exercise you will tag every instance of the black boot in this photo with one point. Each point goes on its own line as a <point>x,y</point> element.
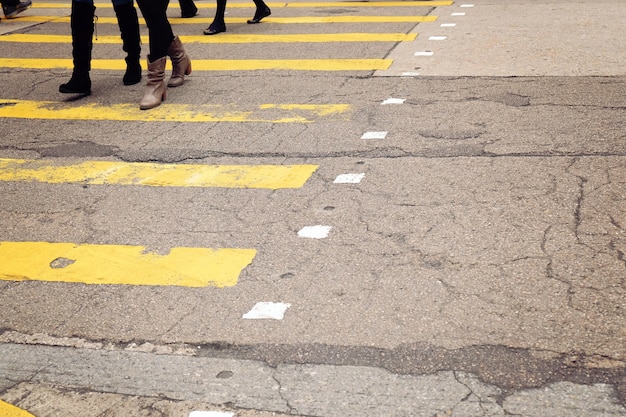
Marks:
<point>131,41</point>
<point>82,33</point>
<point>261,11</point>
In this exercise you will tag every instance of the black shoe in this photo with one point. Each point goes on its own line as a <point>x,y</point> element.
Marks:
<point>12,11</point>
<point>260,14</point>
<point>80,83</point>
<point>214,29</point>
<point>133,72</point>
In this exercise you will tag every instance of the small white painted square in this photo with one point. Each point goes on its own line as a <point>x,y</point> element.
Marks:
<point>458,14</point>
<point>467,5</point>
<point>349,178</point>
<point>267,310</point>
<point>424,53</point>
<point>410,74</point>
<point>211,414</point>
<point>437,38</point>
<point>394,101</point>
<point>374,135</point>
<point>448,25</point>
<point>315,232</point>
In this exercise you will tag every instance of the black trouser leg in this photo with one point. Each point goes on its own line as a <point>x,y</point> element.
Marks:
<point>218,20</point>
<point>82,25</point>
<point>187,8</point>
<point>128,22</point>
<point>159,29</point>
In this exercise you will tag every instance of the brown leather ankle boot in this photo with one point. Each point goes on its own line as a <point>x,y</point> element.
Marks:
<point>156,91</point>
<point>181,64</point>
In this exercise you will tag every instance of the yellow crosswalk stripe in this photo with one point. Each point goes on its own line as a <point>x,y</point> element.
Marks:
<point>121,264</point>
<point>8,410</point>
<point>196,113</point>
<point>229,38</point>
<point>216,65</point>
<point>156,175</point>
<point>235,20</point>
<point>247,5</point>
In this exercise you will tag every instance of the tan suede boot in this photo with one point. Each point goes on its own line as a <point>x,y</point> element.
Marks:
<point>181,64</point>
<point>156,91</point>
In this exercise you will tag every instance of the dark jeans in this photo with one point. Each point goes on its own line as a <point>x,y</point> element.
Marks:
<point>159,29</point>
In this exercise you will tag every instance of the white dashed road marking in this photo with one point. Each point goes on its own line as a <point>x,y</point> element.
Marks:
<point>315,232</point>
<point>267,310</point>
<point>393,101</point>
<point>374,135</point>
<point>349,178</point>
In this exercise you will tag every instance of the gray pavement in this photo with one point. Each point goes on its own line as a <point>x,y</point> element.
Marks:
<point>307,389</point>
<point>476,270</point>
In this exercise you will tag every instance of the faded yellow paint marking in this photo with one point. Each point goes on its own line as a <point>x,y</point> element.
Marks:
<point>216,65</point>
<point>238,20</point>
<point>120,264</point>
<point>8,410</point>
<point>157,175</point>
<point>246,5</point>
<point>282,113</point>
<point>230,38</point>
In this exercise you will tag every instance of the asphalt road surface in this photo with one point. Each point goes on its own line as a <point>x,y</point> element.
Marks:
<point>378,208</point>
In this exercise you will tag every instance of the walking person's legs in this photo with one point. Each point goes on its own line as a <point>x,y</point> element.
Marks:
<point>82,27</point>
<point>218,25</point>
<point>128,22</point>
<point>162,43</point>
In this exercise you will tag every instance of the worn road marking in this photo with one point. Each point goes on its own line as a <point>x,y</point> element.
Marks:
<point>238,20</point>
<point>282,113</point>
<point>267,310</point>
<point>8,410</point>
<point>229,38</point>
<point>121,265</point>
<point>157,175</point>
<point>374,135</point>
<point>352,178</point>
<point>216,64</point>
<point>315,232</point>
<point>393,101</point>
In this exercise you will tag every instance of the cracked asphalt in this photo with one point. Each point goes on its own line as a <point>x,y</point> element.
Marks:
<point>478,269</point>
